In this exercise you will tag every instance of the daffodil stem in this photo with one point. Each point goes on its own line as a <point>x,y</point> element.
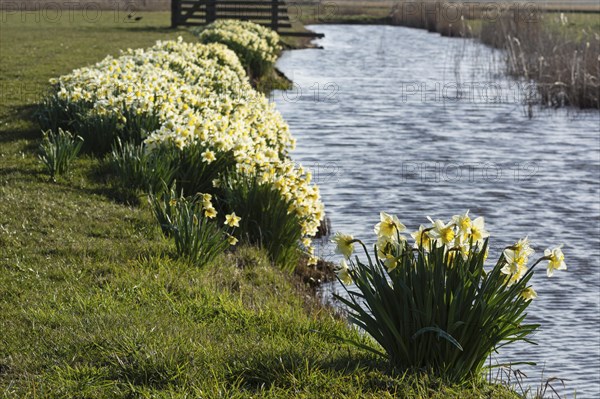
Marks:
<point>364,247</point>
<point>539,260</point>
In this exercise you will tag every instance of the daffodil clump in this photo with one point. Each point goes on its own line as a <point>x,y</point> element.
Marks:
<point>186,96</point>
<point>178,92</point>
<point>58,150</point>
<point>192,223</point>
<point>257,46</point>
<point>433,303</point>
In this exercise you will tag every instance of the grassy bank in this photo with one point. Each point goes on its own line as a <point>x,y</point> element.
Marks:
<point>342,12</point>
<point>92,301</point>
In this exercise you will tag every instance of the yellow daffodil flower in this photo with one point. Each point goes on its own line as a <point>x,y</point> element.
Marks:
<point>390,262</point>
<point>529,293</point>
<point>442,233</point>
<point>232,240</point>
<point>210,212</point>
<point>206,201</point>
<point>462,246</point>
<point>384,246</point>
<point>208,156</point>
<point>389,225</point>
<point>556,260</point>
<point>344,244</point>
<point>232,220</point>
<point>516,258</point>
<point>478,232</point>
<point>524,246</point>
<point>463,222</point>
<point>343,273</point>
<point>422,238</point>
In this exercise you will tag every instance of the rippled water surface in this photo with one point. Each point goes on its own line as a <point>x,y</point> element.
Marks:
<point>402,120</point>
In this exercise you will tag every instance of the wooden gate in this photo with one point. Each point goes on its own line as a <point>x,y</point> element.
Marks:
<point>270,13</point>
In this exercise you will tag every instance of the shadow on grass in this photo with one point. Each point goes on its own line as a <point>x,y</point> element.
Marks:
<point>102,184</point>
<point>255,371</point>
<point>108,186</point>
<point>118,195</point>
<point>21,125</point>
<point>150,29</point>
<point>24,171</point>
<point>20,134</point>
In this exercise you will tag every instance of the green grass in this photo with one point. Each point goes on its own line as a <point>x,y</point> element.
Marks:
<point>342,12</point>
<point>577,26</point>
<point>92,301</point>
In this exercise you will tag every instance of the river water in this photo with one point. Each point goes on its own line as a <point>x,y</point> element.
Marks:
<point>408,122</point>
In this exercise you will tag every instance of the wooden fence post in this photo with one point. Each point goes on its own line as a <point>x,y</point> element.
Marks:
<point>274,14</point>
<point>175,11</point>
<point>211,11</point>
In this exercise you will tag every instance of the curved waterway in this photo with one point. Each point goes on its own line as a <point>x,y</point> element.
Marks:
<point>408,122</point>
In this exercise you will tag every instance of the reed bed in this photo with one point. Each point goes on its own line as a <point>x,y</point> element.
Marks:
<point>564,62</point>
<point>560,51</point>
<point>448,19</point>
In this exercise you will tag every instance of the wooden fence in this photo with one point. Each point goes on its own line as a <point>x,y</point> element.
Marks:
<point>271,13</point>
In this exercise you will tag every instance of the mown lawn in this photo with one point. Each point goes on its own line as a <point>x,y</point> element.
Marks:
<point>92,302</point>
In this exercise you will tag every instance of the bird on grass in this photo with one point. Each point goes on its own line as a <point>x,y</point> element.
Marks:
<point>130,16</point>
